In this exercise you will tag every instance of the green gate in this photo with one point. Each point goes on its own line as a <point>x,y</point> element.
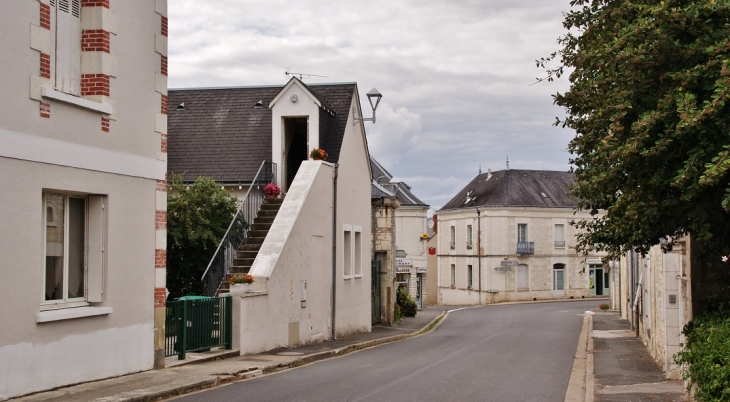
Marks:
<point>195,323</point>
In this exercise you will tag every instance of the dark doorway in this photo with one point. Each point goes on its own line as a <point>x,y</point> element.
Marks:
<point>295,146</point>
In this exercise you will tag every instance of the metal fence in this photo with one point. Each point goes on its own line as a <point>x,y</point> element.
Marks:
<point>220,264</point>
<point>198,324</point>
<point>525,247</point>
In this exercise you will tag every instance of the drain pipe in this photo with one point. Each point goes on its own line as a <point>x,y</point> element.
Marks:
<point>334,249</point>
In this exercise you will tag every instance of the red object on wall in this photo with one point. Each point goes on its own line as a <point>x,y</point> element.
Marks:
<point>432,250</point>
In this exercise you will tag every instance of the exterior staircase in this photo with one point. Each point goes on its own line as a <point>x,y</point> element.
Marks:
<point>253,241</point>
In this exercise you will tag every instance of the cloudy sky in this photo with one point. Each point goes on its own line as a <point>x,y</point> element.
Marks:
<point>455,74</point>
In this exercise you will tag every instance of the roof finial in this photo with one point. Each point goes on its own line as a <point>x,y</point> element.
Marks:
<point>507,162</point>
<point>480,168</point>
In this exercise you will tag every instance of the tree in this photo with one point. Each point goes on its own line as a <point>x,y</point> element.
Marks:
<point>197,218</point>
<point>649,86</point>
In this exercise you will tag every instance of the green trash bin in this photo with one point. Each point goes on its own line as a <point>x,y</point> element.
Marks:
<point>199,325</point>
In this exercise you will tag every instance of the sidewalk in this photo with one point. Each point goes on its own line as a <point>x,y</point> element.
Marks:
<point>612,364</point>
<point>221,369</point>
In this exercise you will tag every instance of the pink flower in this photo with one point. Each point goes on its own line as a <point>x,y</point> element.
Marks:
<point>724,258</point>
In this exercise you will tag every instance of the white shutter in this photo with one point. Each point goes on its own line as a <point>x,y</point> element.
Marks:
<point>522,277</point>
<point>558,232</point>
<point>95,258</point>
<point>68,46</point>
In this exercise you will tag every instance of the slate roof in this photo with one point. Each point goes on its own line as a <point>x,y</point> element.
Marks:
<point>383,186</point>
<point>222,135</point>
<point>516,188</point>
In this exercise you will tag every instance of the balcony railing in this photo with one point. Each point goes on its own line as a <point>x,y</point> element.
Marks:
<point>525,247</point>
<point>559,243</point>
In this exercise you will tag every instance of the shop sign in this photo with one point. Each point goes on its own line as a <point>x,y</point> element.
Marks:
<point>421,270</point>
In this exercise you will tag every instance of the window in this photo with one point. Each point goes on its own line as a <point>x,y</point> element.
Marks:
<point>523,277</point>
<point>521,232</point>
<point>468,236</point>
<point>469,276</point>
<point>347,251</point>
<point>453,238</point>
<point>559,277</point>
<point>358,252</point>
<point>73,250</point>
<point>66,59</point>
<point>559,241</point>
<point>453,275</point>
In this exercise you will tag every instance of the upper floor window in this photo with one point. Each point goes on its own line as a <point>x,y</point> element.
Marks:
<point>522,232</point>
<point>453,238</point>
<point>453,275</point>
<point>469,239</point>
<point>470,276</point>
<point>66,37</point>
<point>559,240</point>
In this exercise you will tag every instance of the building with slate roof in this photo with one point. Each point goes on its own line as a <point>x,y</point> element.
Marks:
<point>506,236</point>
<point>400,224</point>
<point>309,250</point>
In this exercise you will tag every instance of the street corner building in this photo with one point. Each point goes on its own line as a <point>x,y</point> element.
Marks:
<point>83,161</point>
<point>506,236</point>
<point>307,250</point>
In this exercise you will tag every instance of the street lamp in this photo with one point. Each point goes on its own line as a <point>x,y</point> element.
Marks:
<point>372,95</point>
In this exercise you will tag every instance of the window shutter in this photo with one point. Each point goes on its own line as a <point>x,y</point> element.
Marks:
<point>95,258</point>
<point>68,46</point>
<point>522,277</point>
<point>558,232</point>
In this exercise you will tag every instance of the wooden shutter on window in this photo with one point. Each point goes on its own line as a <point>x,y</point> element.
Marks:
<point>68,46</point>
<point>522,276</point>
<point>95,257</point>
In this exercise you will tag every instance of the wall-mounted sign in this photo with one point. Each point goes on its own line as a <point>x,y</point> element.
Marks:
<point>502,268</point>
<point>508,263</point>
<point>421,270</point>
<point>402,270</point>
<point>403,262</point>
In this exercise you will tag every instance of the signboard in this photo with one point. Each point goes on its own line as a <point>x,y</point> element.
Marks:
<point>509,263</point>
<point>502,268</point>
<point>403,262</point>
<point>402,270</point>
<point>421,270</point>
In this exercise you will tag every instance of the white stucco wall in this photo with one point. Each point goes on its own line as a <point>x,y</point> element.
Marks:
<point>499,240</point>
<point>70,154</point>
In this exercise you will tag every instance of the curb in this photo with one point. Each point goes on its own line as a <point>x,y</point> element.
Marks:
<point>590,377</point>
<point>579,388</point>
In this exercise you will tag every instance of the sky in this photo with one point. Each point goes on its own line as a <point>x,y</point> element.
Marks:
<point>455,75</point>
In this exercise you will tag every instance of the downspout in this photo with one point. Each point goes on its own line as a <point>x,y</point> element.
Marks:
<point>479,252</point>
<point>620,307</point>
<point>334,250</point>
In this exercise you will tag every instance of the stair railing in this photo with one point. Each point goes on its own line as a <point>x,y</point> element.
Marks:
<point>219,266</point>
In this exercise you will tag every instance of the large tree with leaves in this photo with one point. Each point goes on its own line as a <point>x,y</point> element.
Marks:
<point>648,102</point>
<point>197,218</point>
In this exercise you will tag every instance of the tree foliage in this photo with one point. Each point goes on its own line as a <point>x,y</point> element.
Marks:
<point>648,102</point>
<point>197,219</point>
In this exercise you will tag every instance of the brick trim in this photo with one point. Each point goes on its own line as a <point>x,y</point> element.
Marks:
<point>160,220</point>
<point>45,65</point>
<point>160,296</point>
<point>45,16</point>
<point>160,257</point>
<point>163,104</point>
<point>105,124</point>
<point>163,143</point>
<point>161,185</point>
<point>163,65</point>
<point>95,3</point>
<point>95,40</point>
<point>163,31</point>
<point>94,84</point>
<point>45,109</point>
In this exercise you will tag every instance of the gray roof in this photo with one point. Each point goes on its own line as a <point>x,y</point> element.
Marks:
<point>388,189</point>
<point>516,188</point>
<point>220,134</point>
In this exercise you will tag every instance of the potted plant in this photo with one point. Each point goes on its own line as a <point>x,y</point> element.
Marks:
<point>241,282</point>
<point>272,190</point>
<point>318,154</point>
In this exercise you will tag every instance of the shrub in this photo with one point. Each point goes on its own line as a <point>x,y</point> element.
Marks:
<point>604,306</point>
<point>396,314</point>
<point>705,355</point>
<point>407,304</point>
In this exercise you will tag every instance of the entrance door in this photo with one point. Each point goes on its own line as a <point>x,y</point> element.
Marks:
<point>419,290</point>
<point>375,290</point>
<point>295,146</point>
<point>598,280</point>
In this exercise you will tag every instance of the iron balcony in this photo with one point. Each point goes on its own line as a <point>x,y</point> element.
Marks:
<point>525,247</point>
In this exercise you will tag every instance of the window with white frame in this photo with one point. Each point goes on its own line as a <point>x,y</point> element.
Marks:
<point>470,276</point>
<point>352,251</point>
<point>347,251</point>
<point>558,276</point>
<point>521,232</point>
<point>357,244</point>
<point>523,274</point>
<point>66,46</point>
<point>559,240</point>
<point>469,241</point>
<point>453,275</point>
<point>73,250</point>
<point>453,238</point>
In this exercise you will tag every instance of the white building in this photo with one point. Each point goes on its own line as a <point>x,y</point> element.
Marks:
<point>507,236</point>
<point>83,162</point>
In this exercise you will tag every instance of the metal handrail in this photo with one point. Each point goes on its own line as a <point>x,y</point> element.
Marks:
<point>219,265</point>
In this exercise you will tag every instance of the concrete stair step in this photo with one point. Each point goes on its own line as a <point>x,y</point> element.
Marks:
<point>250,247</point>
<point>247,254</point>
<point>261,226</point>
<point>257,233</point>
<point>264,219</point>
<point>254,240</point>
<point>246,262</point>
<point>239,269</point>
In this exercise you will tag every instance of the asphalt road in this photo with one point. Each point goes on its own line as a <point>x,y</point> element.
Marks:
<point>494,353</point>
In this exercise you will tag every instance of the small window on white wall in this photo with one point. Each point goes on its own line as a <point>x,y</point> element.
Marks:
<point>559,240</point>
<point>347,252</point>
<point>522,277</point>
<point>357,244</point>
